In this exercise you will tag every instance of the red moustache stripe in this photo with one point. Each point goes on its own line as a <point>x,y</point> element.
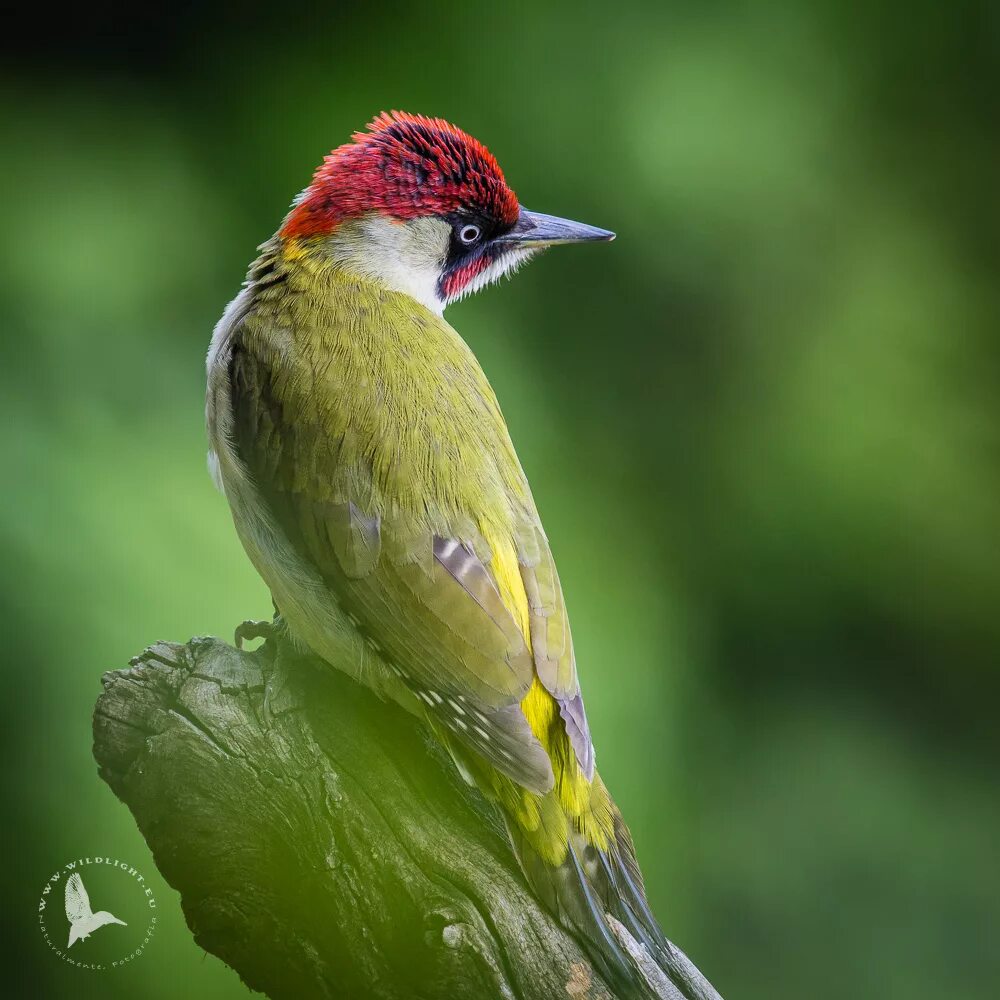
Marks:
<point>456,280</point>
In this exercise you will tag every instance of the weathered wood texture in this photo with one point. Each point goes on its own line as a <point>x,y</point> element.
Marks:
<point>321,844</point>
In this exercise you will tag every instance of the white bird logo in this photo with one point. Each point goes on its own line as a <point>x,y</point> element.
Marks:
<point>82,919</point>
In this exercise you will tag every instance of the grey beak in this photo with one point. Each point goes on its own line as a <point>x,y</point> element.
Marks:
<point>533,229</point>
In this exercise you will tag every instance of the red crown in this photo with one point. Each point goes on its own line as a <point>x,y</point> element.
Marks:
<point>404,166</point>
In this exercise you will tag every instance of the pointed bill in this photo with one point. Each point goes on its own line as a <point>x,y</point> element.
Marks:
<point>534,229</point>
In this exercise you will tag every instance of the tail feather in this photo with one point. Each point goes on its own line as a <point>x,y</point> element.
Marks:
<point>590,886</point>
<point>567,893</point>
<point>625,879</point>
<point>576,853</point>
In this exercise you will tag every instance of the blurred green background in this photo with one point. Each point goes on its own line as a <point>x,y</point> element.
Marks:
<point>762,428</point>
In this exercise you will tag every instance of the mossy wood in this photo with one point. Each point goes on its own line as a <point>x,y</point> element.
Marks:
<point>321,844</point>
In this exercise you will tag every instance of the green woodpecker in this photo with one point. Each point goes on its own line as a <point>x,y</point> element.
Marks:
<point>376,490</point>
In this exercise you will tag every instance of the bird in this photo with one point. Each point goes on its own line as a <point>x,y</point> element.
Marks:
<point>82,919</point>
<point>376,490</point>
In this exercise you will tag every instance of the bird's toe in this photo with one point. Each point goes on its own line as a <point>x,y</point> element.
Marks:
<point>253,629</point>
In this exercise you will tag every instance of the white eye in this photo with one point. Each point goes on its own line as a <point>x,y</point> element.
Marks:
<point>469,234</point>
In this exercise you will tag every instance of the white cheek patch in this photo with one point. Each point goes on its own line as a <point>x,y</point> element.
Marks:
<point>410,257</point>
<point>405,256</point>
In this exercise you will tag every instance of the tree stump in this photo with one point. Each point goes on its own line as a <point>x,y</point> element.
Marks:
<point>322,844</point>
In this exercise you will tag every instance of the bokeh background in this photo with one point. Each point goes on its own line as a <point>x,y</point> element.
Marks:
<point>763,428</point>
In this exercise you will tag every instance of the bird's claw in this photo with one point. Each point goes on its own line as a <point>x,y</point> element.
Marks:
<point>253,629</point>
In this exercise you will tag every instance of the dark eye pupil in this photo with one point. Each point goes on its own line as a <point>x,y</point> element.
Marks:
<point>469,234</point>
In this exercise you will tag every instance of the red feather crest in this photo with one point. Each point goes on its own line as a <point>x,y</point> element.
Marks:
<point>404,166</point>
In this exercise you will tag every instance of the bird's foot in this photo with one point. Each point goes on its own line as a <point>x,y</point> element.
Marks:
<point>254,629</point>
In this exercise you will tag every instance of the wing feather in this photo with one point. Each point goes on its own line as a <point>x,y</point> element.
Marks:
<point>551,640</point>
<point>77,900</point>
<point>417,587</point>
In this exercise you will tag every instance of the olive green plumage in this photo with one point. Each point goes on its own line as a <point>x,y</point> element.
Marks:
<point>357,428</point>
